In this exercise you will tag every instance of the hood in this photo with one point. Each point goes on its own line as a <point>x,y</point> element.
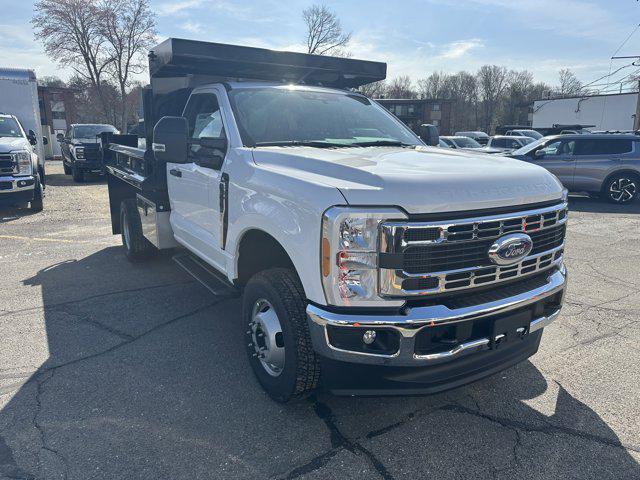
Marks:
<point>83,141</point>
<point>421,180</point>
<point>8,144</point>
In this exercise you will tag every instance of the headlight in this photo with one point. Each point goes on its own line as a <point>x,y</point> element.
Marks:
<point>79,152</point>
<point>349,255</point>
<point>23,160</point>
<point>565,195</point>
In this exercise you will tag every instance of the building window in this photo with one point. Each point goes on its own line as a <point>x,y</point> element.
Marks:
<point>435,107</point>
<point>411,109</point>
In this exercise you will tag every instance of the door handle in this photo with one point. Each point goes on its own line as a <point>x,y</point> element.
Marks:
<point>175,172</point>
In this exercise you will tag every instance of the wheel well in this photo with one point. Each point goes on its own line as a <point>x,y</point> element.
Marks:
<point>259,251</point>
<point>632,173</point>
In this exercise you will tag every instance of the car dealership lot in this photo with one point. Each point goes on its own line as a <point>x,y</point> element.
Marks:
<point>114,370</point>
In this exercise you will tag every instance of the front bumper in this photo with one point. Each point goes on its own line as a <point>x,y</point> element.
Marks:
<point>542,303</point>
<point>16,189</point>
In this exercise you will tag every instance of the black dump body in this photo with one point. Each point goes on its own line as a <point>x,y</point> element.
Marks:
<point>176,67</point>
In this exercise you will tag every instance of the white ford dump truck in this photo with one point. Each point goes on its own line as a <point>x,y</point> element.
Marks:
<point>368,261</point>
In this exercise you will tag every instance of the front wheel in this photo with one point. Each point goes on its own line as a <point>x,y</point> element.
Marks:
<point>78,175</point>
<point>277,336</point>
<point>37,204</point>
<point>67,169</point>
<point>622,188</point>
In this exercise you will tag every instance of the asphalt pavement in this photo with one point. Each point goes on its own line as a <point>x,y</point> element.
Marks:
<point>110,370</point>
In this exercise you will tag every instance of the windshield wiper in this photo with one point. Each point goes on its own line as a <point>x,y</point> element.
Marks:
<point>300,143</point>
<point>381,143</point>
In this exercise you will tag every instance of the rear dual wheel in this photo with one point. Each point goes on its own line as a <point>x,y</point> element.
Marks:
<point>137,248</point>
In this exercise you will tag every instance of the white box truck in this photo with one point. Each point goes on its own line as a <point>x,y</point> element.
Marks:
<point>22,170</point>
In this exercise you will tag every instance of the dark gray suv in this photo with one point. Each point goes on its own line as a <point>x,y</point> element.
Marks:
<point>605,164</point>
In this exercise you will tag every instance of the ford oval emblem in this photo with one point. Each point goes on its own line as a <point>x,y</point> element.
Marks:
<point>510,249</point>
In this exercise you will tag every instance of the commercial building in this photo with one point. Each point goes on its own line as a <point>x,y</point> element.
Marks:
<point>606,112</point>
<point>415,112</point>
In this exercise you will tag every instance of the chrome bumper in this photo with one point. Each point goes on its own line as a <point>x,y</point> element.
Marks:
<point>424,317</point>
<point>15,184</point>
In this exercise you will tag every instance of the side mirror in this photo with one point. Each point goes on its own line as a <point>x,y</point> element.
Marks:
<point>429,134</point>
<point>60,137</point>
<point>31,136</point>
<point>45,141</point>
<point>539,153</point>
<point>170,140</point>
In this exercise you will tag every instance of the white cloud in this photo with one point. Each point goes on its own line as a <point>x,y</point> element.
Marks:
<point>20,50</point>
<point>461,48</point>
<point>177,8</point>
<point>192,27</point>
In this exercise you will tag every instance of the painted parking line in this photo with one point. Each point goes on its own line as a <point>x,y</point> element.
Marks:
<point>52,240</point>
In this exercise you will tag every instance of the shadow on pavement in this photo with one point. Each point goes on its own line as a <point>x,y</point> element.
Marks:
<point>62,180</point>
<point>146,378</point>
<point>597,205</point>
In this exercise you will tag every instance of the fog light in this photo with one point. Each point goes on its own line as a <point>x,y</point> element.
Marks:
<point>369,337</point>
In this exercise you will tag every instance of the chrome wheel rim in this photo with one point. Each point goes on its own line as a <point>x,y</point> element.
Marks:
<point>623,190</point>
<point>266,337</point>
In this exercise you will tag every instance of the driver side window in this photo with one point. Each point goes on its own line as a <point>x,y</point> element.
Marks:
<point>205,125</point>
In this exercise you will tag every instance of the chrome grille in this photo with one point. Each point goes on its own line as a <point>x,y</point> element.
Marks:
<point>425,258</point>
<point>7,164</point>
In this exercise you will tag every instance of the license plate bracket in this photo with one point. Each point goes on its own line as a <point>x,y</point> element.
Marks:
<point>510,328</point>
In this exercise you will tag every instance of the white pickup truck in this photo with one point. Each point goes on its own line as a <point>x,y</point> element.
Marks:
<point>368,262</point>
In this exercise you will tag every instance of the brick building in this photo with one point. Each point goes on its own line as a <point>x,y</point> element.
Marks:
<point>415,112</point>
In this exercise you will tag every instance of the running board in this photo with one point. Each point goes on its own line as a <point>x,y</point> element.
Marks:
<point>210,278</point>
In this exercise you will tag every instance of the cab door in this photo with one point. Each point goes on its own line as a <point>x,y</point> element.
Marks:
<point>557,156</point>
<point>194,187</point>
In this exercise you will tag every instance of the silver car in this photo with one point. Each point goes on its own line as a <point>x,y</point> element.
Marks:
<point>606,164</point>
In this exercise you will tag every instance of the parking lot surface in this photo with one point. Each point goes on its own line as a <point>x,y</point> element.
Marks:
<point>113,370</point>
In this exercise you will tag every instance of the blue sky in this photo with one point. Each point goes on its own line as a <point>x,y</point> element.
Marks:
<point>415,37</point>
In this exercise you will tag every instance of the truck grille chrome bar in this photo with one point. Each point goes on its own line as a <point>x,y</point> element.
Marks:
<point>427,258</point>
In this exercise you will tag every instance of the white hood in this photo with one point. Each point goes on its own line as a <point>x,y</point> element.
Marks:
<point>8,144</point>
<point>422,180</point>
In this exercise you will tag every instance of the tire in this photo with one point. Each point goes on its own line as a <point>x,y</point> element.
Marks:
<point>37,203</point>
<point>136,247</point>
<point>67,169</point>
<point>622,188</point>
<point>78,175</point>
<point>295,370</point>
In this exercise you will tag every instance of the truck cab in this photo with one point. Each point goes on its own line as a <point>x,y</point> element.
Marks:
<point>368,262</point>
<point>20,180</point>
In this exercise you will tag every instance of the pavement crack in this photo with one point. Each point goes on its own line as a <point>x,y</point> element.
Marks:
<point>94,297</point>
<point>130,340</point>
<point>44,445</point>
<point>548,429</point>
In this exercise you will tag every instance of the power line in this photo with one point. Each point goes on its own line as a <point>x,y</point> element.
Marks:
<point>626,40</point>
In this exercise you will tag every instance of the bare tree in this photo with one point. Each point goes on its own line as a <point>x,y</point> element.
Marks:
<point>569,83</point>
<point>71,33</point>
<point>492,81</point>
<point>374,90</point>
<point>324,32</point>
<point>400,87</point>
<point>129,31</point>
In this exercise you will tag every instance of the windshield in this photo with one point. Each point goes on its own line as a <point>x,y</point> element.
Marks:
<point>527,148</point>
<point>290,116</point>
<point>466,142</point>
<point>91,131</point>
<point>9,128</point>
<point>530,133</point>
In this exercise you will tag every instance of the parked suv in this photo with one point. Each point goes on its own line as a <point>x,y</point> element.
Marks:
<point>481,137</point>
<point>524,133</point>
<point>80,149</point>
<point>601,164</point>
